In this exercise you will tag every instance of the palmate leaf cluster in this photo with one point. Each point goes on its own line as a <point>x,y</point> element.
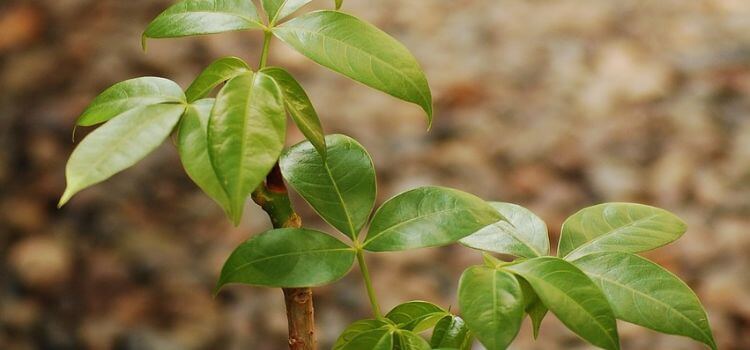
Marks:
<point>229,143</point>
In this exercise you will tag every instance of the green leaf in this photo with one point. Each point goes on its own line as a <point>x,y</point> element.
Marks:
<point>357,328</point>
<point>644,293</point>
<point>625,227</point>
<point>118,144</point>
<point>341,188</point>
<point>378,339</point>
<point>451,332</point>
<point>427,217</point>
<point>416,316</point>
<point>491,302</point>
<point>359,51</point>
<point>408,340</point>
<point>246,135</point>
<point>533,306</point>
<point>523,234</point>
<point>129,94</point>
<point>298,105</point>
<point>216,73</point>
<point>339,3</point>
<point>572,297</point>
<point>288,258</point>
<point>192,144</point>
<point>197,17</point>
<point>279,9</point>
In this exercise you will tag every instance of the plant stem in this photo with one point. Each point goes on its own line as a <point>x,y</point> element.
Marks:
<point>368,284</point>
<point>266,45</point>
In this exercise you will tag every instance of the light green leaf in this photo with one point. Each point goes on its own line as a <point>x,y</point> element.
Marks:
<point>216,73</point>
<point>624,227</point>
<point>451,332</point>
<point>279,9</point>
<point>491,302</point>
<point>298,105</point>
<point>644,293</point>
<point>427,217</point>
<point>416,316</point>
<point>118,144</point>
<point>341,189</point>
<point>359,51</point>
<point>533,306</point>
<point>408,340</point>
<point>197,17</point>
<point>192,144</point>
<point>129,94</point>
<point>288,258</point>
<point>572,297</point>
<point>246,135</point>
<point>378,339</point>
<point>357,328</point>
<point>523,234</point>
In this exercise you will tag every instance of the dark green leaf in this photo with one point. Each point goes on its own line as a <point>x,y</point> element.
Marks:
<point>360,51</point>
<point>427,217</point>
<point>451,332</point>
<point>129,94</point>
<point>416,316</point>
<point>523,234</point>
<point>625,227</point>
<point>644,293</point>
<point>378,339</point>
<point>216,73</point>
<point>408,340</point>
<point>279,9</point>
<point>118,144</point>
<point>341,189</point>
<point>491,302</point>
<point>197,17</point>
<point>288,257</point>
<point>572,297</point>
<point>357,328</point>
<point>298,105</point>
<point>246,135</point>
<point>192,144</point>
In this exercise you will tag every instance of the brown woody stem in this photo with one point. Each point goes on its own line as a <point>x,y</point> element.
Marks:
<point>273,197</point>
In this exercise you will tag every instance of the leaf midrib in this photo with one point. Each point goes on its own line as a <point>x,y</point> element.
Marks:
<point>610,233</point>
<point>316,251</point>
<point>402,223</point>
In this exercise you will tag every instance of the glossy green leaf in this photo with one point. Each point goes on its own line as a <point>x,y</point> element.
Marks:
<point>298,105</point>
<point>289,258</point>
<point>129,94</point>
<point>533,306</point>
<point>216,73</point>
<point>359,51</point>
<point>118,144</point>
<point>523,234</point>
<point>451,332</point>
<point>416,316</point>
<point>192,144</point>
<point>357,328</point>
<point>197,17</point>
<point>491,303</point>
<point>279,9</point>
<point>572,297</point>
<point>341,189</point>
<point>427,217</point>
<point>644,293</point>
<point>246,135</point>
<point>408,340</point>
<point>624,227</point>
<point>378,339</point>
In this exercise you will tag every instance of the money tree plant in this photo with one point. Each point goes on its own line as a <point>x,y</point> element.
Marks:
<point>232,147</point>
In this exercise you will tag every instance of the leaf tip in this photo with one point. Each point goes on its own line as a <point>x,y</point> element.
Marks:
<point>144,39</point>
<point>65,197</point>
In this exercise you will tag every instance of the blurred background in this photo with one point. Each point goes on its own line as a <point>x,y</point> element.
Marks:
<point>554,105</point>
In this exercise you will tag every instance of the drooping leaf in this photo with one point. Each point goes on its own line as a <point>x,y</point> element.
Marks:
<point>197,17</point>
<point>572,297</point>
<point>492,304</point>
<point>644,293</point>
<point>625,227</point>
<point>427,217</point>
<point>246,135</point>
<point>416,316</point>
<point>451,332</point>
<point>118,144</point>
<point>533,306</point>
<point>298,105</point>
<point>289,258</point>
<point>408,340</point>
<point>341,188</point>
<point>523,234</point>
<point>129,94</point>
<point>377,339</point>
<point>216,73</point>
<point>357,328</point>
<point>279,9</point>
<point>359,51</point>
<point>192,144</point>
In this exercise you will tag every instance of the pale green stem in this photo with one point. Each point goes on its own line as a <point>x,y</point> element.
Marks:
<point>266,45</point>
<point>368,284</point>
